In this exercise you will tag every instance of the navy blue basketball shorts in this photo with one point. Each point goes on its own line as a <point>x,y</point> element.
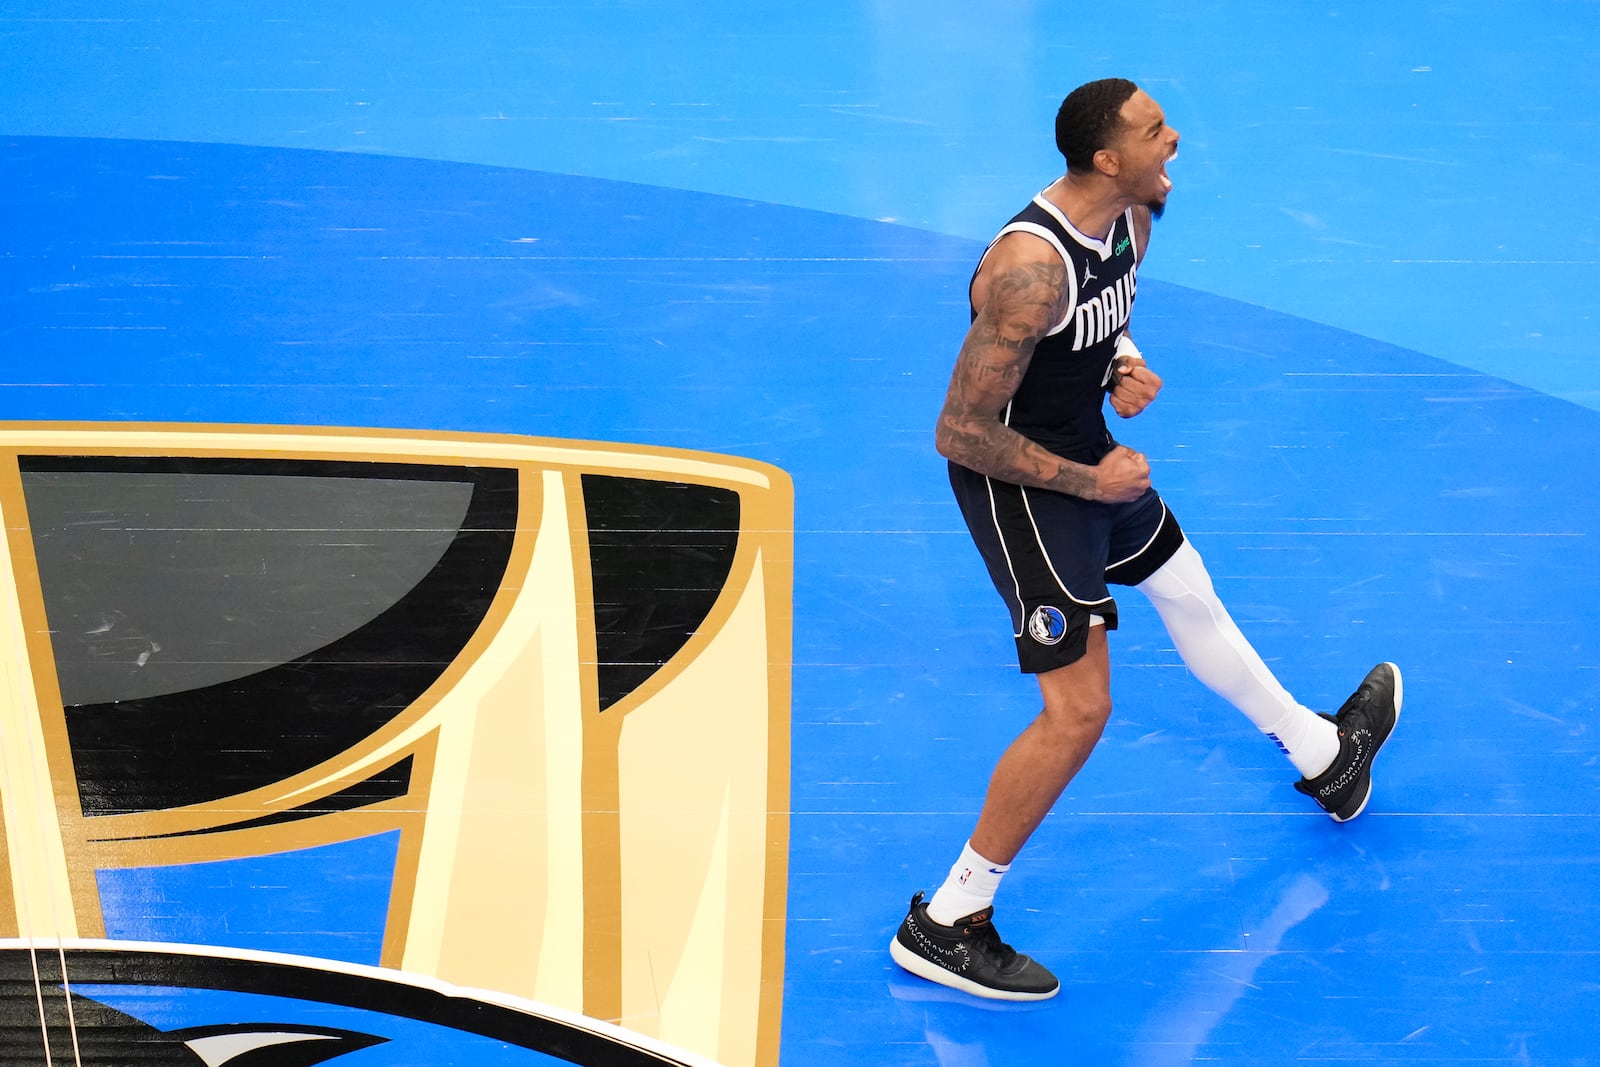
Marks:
<point>1052,556</point>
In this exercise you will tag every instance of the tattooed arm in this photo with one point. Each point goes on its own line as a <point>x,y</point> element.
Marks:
<point>1020,294</point>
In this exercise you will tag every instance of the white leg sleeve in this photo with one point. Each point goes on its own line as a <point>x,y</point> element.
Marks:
<point>1218,654</point>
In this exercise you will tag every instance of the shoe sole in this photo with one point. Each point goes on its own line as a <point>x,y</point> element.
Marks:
<point>934,973</point>
<point>1399,698</point>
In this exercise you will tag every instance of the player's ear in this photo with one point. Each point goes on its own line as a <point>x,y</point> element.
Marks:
<point>1108,162</point>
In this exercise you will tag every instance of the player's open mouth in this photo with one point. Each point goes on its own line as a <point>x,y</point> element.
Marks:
<point>1166,182</point>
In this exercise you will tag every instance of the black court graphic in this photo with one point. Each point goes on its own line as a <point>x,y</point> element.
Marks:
<point>106,1004</point>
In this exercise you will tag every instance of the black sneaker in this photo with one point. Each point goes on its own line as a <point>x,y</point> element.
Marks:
<point>1364,724</point>
<point>968,956</point>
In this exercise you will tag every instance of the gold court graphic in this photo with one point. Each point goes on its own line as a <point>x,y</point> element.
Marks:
<point>557,671</point>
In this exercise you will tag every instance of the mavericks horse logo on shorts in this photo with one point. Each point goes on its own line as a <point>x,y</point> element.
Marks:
<point>1047,625</point>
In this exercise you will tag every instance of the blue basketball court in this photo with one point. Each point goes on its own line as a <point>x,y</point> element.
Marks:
<point>748,232</point>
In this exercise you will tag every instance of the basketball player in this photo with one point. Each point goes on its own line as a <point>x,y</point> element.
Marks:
<point>1060,510</point>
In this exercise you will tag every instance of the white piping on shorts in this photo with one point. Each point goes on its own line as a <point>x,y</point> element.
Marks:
<point>994,516</point>
<point>1048,562</point>
<point>1146,546</point>
<point>1016,587</point>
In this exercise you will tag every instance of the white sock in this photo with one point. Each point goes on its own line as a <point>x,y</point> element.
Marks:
<point>1218,654</point>
<point>969,887</point>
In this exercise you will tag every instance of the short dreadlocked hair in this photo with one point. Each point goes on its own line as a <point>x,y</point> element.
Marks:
<point>1089,118</point>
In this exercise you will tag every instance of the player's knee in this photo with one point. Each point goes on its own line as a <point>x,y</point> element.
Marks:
<point>1077,712</point>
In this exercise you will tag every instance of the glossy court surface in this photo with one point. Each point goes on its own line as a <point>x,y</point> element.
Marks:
<point>747,233</point>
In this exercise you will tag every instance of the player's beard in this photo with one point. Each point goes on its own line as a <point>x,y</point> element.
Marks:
<point>1156,208</point>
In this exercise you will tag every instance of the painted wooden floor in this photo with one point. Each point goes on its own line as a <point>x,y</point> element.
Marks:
<point>616,331</point>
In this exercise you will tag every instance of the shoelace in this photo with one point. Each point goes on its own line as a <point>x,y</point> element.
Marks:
<point>989,938</point>
<point>1361,700</point>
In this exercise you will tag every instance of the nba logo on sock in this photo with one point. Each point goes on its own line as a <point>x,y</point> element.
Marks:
<point>965,874</point>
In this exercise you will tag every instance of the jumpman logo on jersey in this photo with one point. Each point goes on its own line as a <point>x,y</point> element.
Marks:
<point>1088,273</point>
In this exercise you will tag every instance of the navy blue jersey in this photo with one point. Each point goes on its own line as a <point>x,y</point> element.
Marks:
<point>1060,404</point>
